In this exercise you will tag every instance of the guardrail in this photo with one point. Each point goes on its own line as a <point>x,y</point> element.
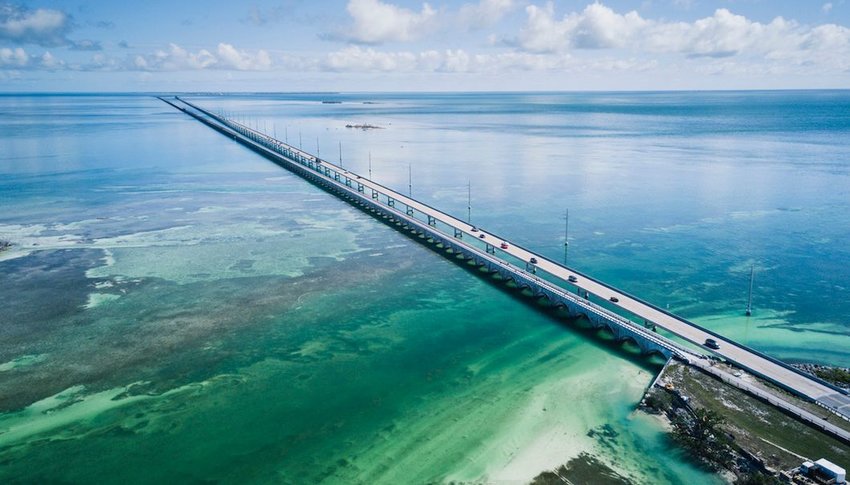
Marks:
<point>278,149</point>
<point>295,157</point>
<point>772,399</point>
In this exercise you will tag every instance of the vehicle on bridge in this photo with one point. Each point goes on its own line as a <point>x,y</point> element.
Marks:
<point>711,343</point>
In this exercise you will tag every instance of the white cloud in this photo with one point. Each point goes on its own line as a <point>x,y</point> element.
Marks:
<point>10,58</point>
<point>596,27</point>
<point>484,13</point>
<point>377,22</point>
<point>724,34</point>
<point>358,59</point>
<point>226,56</point>
<point>233,58</point>
<point>49,62</point>
<point>827,7</point>
<point>42,26</point>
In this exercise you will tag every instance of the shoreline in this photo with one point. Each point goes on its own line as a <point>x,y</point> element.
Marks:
<point>753,439</point>
<point>835,375</point>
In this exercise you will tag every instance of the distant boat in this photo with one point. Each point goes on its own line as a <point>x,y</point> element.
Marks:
<point>331,102</point>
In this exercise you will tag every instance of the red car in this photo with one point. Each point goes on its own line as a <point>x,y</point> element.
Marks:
<point>504,245</point>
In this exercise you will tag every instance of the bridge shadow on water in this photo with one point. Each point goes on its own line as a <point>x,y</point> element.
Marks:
<point>601,337</point>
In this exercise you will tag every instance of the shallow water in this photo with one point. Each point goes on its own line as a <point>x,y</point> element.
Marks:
<point>181,309</point>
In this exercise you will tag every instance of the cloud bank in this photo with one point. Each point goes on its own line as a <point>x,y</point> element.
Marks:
<point>44,27</point>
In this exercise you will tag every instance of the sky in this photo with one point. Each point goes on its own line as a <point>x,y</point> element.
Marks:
<point>439,45</point>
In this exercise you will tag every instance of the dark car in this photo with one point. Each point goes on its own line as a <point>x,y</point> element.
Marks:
<point>474,229</point>
<point>572,279</point>
<point>614,299</point>
<point>482,236</point>
<point>711,343</point>
<point>533,260</point>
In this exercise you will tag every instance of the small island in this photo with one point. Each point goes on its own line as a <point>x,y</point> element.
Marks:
<point>365,127</point>
<point>4,245</point>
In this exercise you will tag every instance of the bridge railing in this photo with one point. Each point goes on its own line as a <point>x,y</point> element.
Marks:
<point>277,146</point>
<point>300,157</point>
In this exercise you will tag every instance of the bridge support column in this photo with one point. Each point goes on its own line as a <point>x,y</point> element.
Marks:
<point>458,233</point>
<point>336,176</point>
<point>409,210</point>
<point>348,181</point>
<point>531,267</point>
<point>360,187</point>
<point>374,194</point>
<point>390,202</point>
<point>490,248</point>
<point>432,221</point>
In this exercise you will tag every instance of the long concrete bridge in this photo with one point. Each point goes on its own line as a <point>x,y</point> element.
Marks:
<point>626,316</point>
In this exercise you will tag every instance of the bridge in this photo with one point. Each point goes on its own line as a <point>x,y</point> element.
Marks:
<point>626,316</point>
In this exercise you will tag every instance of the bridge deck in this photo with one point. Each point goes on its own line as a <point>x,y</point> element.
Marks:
<point>760,364</point>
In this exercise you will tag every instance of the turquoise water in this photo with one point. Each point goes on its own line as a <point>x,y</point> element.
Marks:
<point>176,308</point>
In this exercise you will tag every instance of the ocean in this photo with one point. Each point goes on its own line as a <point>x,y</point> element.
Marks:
<point>176,308</point>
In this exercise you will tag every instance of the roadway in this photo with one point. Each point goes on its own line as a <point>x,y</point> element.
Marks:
<point>749,359</point>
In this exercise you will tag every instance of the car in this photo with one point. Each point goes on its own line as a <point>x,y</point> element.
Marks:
<point>711,343</point>
<point>533,260</point>
<point>482,236</point>
<point>474,229</point>
<point>504,245</point>
<point>572,279</point>
<point>614,299</point>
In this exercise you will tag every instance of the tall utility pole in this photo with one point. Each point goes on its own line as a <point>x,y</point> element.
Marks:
<point>318,154</point>
<point>286,134</point>
<point>300,146</point>
<point>409,181</point>
<point>340,154</point>
<point>469,202</point>
<point>370,165</point>
<point>750,296</point>
<point>566,234</point>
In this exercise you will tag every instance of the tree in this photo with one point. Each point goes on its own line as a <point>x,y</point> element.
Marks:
<point>701,437</point>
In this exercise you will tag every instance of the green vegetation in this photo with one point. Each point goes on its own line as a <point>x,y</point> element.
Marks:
<point>834,375</point>
<point>658,401</point>
<point>756,478</point>
<point>581,469</point>
<point>773,438</point>
<point>701,436</point>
